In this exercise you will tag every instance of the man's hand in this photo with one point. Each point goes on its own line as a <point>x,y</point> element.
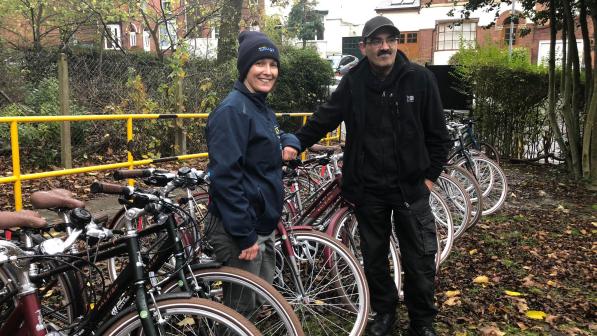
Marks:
<point>429,184</point>
<point>289,153</point>
<point>249,253</point>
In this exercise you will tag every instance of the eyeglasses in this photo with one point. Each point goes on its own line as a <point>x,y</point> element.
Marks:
<point>378,42</point>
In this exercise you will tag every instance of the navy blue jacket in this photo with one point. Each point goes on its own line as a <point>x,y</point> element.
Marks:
<point>245,165</point>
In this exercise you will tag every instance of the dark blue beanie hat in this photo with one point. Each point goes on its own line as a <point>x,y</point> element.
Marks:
<point>253,46</point>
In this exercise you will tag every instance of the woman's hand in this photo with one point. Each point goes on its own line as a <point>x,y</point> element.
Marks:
<point>249,253</point>
<point>429,184</point>
<point>289,153</point>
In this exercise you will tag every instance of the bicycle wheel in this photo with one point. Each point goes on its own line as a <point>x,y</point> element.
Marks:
<point>443,225</point>
<point>192,316</point>
<point>272,315</point>
<point>492,180</point>
<point>470,184</point>
<point>485,149</point>
<point>62,296</point>
<point>323,282</point>
<point>343,226</point>
<point>150,245</point>
<point>458,201</point>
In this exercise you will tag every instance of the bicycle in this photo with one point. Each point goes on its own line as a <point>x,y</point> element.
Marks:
<point>27,315</point>
<point>207,278</point>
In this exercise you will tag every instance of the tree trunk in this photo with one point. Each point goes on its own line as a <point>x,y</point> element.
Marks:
<point>589,149</point>
<point>553,120</point>
<point>571,90</point>
<point>586,39</point>
<point>229,29</point>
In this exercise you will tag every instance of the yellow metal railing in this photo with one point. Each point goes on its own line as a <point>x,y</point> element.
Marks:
<point>16,178</point>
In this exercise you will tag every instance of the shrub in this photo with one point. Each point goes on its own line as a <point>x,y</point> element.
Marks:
<point>510,96</point>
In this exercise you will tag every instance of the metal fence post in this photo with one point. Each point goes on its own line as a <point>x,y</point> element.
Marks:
<point>180,139</point>
<point>65,134</point>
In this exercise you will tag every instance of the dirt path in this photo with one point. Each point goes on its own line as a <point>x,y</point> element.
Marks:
<point>538,254</point>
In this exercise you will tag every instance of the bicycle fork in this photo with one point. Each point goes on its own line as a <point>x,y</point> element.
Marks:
<point>289,251</point>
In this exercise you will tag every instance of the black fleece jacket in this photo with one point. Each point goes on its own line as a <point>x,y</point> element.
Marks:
<point>421,139</point>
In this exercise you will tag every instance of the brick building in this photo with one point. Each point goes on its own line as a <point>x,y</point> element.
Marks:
<point>184,22</point>
<point>429,34</point>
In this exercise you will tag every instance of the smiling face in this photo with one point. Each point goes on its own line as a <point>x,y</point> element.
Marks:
<point>262,76</point>
<point>380,49</point>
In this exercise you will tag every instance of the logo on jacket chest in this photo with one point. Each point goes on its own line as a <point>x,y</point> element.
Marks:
<point>410,99</point>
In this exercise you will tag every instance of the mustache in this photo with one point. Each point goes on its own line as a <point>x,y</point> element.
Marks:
<point>384,52</point>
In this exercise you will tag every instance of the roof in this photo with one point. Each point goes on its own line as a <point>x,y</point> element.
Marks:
<point>398,4</point>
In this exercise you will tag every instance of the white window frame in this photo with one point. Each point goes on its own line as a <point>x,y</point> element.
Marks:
<point>214,32</point>
<point>164,39</point>
<point>116,30</point>
<point>146,41</point>
<point>450,34</point>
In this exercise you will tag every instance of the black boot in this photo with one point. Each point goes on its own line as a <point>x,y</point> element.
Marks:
<point>383,324</point>
<point>421,331</point>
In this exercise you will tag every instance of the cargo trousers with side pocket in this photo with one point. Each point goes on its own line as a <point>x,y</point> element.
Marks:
<point>414,226</point>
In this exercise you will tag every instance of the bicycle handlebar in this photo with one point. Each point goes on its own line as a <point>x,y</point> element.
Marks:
<point>133,173</point>
<point>110,188</point>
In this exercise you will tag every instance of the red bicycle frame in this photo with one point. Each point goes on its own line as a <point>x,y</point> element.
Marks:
<point>26,319</point>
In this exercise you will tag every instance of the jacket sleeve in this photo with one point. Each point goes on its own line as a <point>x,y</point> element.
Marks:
<point>227,139</point>
<point>288,139</point>
<point>326,118</point>
<point>437,139</point>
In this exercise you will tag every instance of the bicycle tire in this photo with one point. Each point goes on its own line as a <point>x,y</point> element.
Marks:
<point>470,184</point>
<point>274,317</point>
<point>485,149</point>
<point>189,312</point>
<point>458,201</point>
<point>320,259</point>
<point>343,227</point>
<point>444,226</point>
<point>62,298</point>
<point>492,180</point>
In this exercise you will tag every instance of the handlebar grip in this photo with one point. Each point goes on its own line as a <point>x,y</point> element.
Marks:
<point>132,173</point>
<point>110,188</point>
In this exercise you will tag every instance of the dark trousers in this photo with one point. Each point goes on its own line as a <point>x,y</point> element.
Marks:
<point>415,229</point>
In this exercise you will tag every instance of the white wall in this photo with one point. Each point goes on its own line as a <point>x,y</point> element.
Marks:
<point>203,47</point>
<point>543,52</point>
<point>426,18</point>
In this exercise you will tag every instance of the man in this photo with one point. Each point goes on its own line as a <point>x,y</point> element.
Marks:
<point>396,145</point>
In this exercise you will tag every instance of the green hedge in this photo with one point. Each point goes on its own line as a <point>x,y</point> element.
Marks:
<point>510,97</point>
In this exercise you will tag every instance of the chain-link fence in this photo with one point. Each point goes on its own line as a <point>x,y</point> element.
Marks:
<point>102,82</point>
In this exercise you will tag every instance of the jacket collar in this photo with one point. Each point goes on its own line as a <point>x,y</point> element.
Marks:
<point>257,98</point>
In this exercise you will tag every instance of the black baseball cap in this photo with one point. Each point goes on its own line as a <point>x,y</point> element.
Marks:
<point>377,23</point>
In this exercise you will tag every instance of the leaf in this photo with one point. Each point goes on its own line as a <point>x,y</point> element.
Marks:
<point>491,331</point>
<point>452,301</point>
<point>535,314</point>
<point>473,251</point>
<point>481,279</point>
<point>511,293</point>
<point>186,322</point>
<point>452,293</point>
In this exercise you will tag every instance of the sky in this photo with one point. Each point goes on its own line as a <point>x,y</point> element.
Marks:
<point>353,11</point>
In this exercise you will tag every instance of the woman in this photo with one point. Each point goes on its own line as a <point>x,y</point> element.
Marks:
<point>245,152</point>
